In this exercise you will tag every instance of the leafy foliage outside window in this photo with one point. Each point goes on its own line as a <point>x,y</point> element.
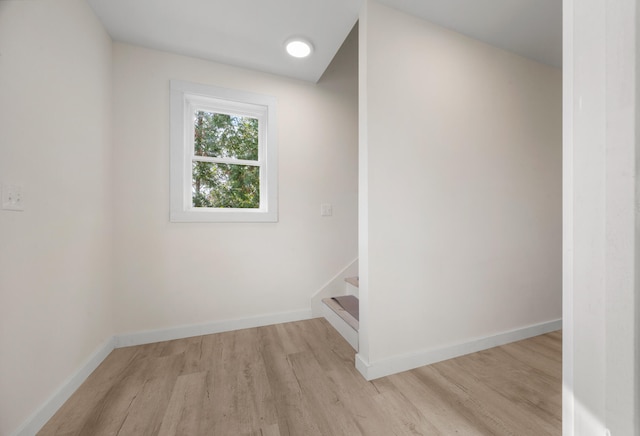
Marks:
<point>225,171</point>
<point>223,155</point>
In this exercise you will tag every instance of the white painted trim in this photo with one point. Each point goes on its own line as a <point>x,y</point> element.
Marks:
<point>334,287</point>
<point>353,290</point>
<point>150,336</point>
<point>39,418</point>
<point>568,400</point>
<point>362,366</point>
<point>185,98</point>
<point>346,331</point>
<point>393,365</point>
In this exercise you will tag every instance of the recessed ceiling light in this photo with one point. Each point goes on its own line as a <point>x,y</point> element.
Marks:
<point>299,47</point>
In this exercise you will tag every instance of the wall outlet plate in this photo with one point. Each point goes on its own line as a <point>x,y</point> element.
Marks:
<point>326,209</point>
<point>12,198</point>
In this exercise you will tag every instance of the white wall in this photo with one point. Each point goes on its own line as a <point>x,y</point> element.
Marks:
<point>55,257</point>
<point>177,274</point>
<point>460,189</point>
<point>600,356</point>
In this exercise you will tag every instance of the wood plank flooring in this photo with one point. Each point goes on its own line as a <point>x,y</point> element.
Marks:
<point>298,379</point>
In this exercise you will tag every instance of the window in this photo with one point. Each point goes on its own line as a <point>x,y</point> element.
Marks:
<point>223,155</point>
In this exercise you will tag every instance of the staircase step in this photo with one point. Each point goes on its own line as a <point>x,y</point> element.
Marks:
<point>353,286</point>
<point>351,304</point>
<point>344,322</point>
<point>353,281</point>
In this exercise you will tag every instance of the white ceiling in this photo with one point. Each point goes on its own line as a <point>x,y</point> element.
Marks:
<point>530,28</point>
<point>251,33</point>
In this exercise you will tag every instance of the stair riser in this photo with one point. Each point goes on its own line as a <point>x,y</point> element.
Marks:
<point>341,326</point>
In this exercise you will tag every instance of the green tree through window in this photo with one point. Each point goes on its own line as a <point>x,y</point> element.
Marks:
<point>233,181</point>
<point>223,155</point>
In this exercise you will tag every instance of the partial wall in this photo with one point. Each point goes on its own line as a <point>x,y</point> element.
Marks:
<point>601,359</point>
<point>55,256</point>
<point>184,274</point>
<point>461,189</point>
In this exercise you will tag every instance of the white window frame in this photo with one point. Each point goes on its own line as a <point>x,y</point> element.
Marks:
<point>187,98</point>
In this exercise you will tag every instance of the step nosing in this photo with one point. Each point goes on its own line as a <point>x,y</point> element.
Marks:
<point>342,313</point>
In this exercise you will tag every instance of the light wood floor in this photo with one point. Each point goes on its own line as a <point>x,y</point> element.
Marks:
<point>299,379</point>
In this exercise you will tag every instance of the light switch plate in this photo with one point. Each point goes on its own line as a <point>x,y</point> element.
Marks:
<point>12,198</point>
<point>326,209</point>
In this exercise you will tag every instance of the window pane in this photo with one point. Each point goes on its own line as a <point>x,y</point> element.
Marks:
<point>225,136</point>
<point>224,185</point>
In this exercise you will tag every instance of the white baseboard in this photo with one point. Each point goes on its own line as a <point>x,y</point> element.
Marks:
<point>39,418</point>
<point>369,370</point>
<point>396,364</point>
<point>150,336</point>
